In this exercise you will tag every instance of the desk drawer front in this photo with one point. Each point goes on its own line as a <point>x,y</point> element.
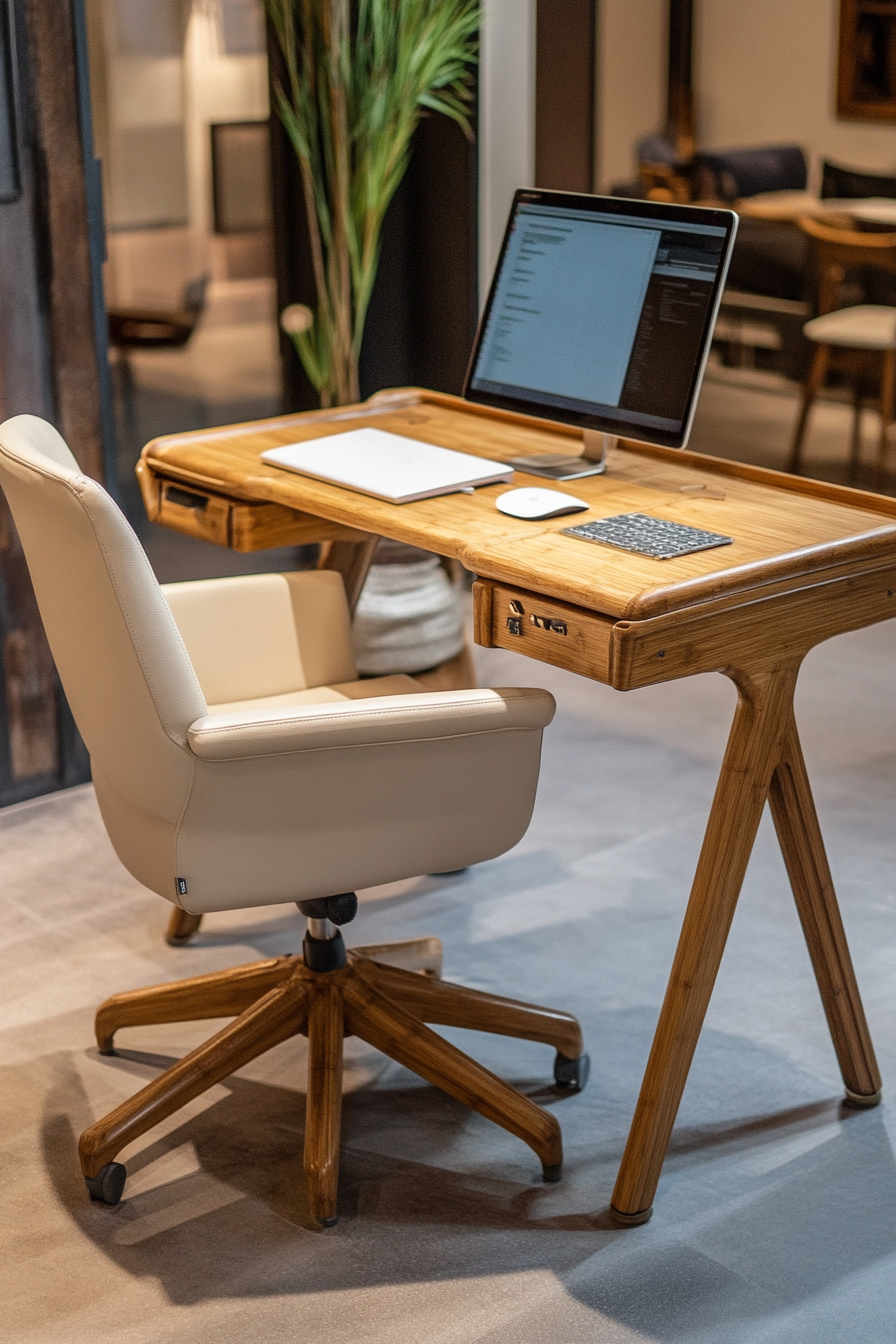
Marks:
<point>242,525</point>
<point>195,513</point>
<point>543,628</point>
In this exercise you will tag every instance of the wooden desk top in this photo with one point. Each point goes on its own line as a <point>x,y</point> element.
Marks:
<point>789,532</point>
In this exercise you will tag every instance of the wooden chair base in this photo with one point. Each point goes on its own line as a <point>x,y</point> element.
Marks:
<point>385,1005</point>
<point>181,927</point>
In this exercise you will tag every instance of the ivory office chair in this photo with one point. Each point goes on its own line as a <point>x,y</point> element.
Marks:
<point>262,798</point>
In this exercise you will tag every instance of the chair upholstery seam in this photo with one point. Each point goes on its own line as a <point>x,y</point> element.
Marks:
<point>371,713</point>
<point>362,746</point>
<point>135,643</point>
<point>327,720</point>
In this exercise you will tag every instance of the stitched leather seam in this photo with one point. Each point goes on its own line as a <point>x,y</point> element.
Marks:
<point>179,825</point>
<point>325,721</point>
<point>298,750</point>
<point>364,714</point>
<point>135,643</point>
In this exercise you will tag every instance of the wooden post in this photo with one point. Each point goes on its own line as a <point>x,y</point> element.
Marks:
<point>564,94</point>
<point>680,89</point>
<point>53,353</point>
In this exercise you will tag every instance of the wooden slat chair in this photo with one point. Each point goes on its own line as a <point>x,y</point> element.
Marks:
<point>861,339</point>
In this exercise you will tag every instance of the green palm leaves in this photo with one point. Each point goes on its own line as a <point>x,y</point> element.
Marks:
<point>358,75</point>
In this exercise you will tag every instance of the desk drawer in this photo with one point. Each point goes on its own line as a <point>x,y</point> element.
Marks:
<point>239,524</point>
<point>543,628</point>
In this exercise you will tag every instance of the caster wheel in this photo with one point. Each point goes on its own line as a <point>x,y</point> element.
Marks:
<point>108,1185</point>
<point>572,1073</point>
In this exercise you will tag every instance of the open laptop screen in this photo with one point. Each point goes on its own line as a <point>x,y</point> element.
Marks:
<point>601,313</point>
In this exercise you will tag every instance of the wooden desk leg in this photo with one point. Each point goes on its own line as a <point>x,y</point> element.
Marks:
<point>763,712</point>
<point>799,835</point>
<point>763,760</point>
<point>352,559</point>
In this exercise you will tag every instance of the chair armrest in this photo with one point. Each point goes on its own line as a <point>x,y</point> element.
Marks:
<point>389,718</point>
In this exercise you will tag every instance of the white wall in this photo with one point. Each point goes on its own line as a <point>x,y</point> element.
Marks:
<point>631,82</point>
<point>218,87</point>
<point>766,71</point>
<point>506,120</point>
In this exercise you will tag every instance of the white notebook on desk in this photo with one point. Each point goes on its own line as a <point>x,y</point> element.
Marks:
<point>387,466</point>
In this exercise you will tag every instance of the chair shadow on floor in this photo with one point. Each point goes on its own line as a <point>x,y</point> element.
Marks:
<point>244,1197</point>
<point>795,1201</point>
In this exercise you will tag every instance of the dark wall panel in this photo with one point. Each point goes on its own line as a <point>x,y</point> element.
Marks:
<point>423,310</point>
<point>424,307</point>
<point>52,353</point>
<point>564,94</point>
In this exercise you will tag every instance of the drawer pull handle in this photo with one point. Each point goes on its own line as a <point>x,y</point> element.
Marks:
<point>186,499</point>
<point>548,623</point>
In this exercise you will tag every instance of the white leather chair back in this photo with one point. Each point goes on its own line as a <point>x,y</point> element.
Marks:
<point>251,807</point>
<point>264,634</point>
<point>120,657</point>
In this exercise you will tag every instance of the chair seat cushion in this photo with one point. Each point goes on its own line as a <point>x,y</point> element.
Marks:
<point>366,689</point>
<point>866,327</point>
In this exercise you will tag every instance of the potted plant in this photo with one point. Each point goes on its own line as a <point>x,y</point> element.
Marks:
<point>358,76</point>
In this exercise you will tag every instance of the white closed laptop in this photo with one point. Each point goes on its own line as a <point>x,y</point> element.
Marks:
<point>387,466</point>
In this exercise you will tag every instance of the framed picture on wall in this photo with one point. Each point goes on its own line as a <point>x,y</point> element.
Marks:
<point>241,176</point>
<point>866,75</point>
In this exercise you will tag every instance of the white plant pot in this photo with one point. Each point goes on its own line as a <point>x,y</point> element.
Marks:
<point>407,618</point>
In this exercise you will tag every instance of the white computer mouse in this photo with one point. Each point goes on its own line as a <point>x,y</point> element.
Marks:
<point>533,503</point>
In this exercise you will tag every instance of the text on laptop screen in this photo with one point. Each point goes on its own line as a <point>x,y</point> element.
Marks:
<point>601,315</point>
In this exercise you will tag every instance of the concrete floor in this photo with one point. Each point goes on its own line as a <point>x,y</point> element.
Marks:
<point>775,1220</point>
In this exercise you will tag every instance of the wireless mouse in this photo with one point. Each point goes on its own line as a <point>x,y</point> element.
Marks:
<point>532,503</point>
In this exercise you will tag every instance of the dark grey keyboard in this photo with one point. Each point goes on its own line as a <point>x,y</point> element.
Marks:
<point>656,537</point>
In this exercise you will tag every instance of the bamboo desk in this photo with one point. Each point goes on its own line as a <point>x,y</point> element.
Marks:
<point>809,561</point>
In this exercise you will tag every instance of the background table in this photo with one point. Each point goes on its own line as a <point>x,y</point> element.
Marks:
<point>808,561</point>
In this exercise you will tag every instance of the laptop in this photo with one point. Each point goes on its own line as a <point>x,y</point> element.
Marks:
<point>387,466</point>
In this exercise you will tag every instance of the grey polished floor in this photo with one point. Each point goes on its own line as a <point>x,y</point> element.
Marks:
<point>775,1220</point>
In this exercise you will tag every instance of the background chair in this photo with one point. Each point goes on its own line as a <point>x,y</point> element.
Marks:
<point>265,798</point>
<point>858,340</point>
<point>732,174</point>
<point>844,184</point>
<point>154,329</point>
<point>768,282</point>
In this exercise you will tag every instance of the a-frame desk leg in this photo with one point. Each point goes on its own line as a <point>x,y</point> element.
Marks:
<point>762,761</point>
<point>799,836</point>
